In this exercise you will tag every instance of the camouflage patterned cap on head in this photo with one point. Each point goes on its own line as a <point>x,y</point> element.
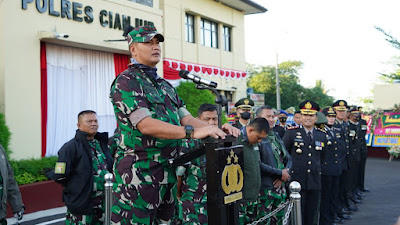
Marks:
<point>143,34</point>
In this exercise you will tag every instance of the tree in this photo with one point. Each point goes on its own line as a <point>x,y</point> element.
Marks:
<point>193,97</point>
<point>263,80</point>
<point>391,77</point>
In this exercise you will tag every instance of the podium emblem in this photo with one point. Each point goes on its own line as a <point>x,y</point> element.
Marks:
<point>232,179</point>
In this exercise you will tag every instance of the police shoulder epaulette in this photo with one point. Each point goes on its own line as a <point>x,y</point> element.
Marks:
<point>293,127</point>
<point>322,130</point>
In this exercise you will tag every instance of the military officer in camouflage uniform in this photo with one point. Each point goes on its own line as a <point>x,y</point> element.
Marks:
<point>331,170</point>
<point>192,187</point>
<point>153,121</point>
<point>80,168</point>
<point>275,165</point>
<point>306,144</point>
<point>243,112</point>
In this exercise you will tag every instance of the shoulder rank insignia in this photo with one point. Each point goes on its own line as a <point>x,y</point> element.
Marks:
<point>322,130</point>
<point>292,127</point>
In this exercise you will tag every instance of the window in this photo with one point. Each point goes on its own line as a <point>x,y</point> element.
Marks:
<point>209,33</point>
<point>144,2</point>
<point>189,26</point>
<point>227,38</point>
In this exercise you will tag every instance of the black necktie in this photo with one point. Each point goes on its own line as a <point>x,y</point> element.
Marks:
<point>309,135</point>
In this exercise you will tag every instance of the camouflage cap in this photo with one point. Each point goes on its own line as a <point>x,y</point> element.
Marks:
<point>143,34</point>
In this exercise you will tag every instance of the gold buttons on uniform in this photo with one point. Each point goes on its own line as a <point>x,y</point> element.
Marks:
<point>309,162</point>
<point>308,171</point>
<point>336,155</point>
<point>309,154</point>
<point>309,146</point>
<point>335,148</point>
<point>335,161</point>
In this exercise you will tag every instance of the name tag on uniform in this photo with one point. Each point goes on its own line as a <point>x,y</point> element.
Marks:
<point>364,127</point>
<point>256,148</point>
<point>352,133</point>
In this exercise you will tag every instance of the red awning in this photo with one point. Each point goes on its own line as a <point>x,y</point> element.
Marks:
<point>172,67</point>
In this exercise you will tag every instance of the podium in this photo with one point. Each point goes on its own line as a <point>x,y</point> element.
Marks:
<point>224,168</point>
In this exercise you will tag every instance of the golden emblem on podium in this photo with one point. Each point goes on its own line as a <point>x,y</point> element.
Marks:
<point>232,179</point>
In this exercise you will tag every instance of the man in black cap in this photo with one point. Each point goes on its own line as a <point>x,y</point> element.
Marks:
<point>306,146</point>
<point>344,207</point>
<point>364,152</point>
<point>331,170</point>
<point>243,112</point>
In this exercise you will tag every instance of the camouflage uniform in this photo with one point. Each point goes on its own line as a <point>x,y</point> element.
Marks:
<point>271,198</point>
<point>144,190</point>
<point>194,189</point>
<point>99,170</point>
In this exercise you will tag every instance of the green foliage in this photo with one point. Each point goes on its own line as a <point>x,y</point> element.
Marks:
<point>193,97</point>
<point>5,135</point>
<point>32,170</point>
<point>263,80</point>
<point>394,76</point>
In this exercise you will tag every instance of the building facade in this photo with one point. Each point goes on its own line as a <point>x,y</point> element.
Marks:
<point>59,57</point>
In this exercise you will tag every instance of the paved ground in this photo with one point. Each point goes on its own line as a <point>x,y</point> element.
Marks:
<point>381,206</point>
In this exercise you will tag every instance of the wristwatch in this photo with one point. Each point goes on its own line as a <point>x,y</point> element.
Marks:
<point>188,130</point>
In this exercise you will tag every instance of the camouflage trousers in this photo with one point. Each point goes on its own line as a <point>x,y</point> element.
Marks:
<point>194,211</point>
<point>248,212</point>
<point>143,204</point>
<point>268,202</point>
<point>97,218</point>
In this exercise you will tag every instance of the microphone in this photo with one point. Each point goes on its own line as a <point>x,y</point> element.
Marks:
<point>196,79</point>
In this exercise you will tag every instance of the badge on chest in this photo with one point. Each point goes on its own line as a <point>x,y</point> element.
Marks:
<point>319,145</point>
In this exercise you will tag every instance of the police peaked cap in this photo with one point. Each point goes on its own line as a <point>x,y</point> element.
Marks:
<point>309,107</point>
<point>340,105</point>
<point>244,103</point>
<point>328,111</point>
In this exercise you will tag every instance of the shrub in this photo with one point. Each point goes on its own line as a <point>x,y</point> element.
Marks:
<point>32,170</point>
<point>5,135</point>
<point>194,97</point>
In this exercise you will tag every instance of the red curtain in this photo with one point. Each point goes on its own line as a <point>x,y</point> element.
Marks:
<point>121,63</point>
<point>43,86</point>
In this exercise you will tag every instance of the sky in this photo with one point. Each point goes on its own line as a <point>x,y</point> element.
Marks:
<point>336,41</point>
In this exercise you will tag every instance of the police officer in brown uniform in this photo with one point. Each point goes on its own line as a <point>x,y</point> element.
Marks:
<point>243,112</point>
<point>306,145</point>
